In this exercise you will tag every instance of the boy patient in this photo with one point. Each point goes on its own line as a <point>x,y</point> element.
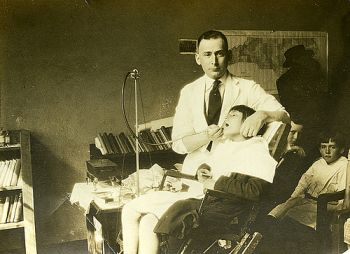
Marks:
<point>238,165</point>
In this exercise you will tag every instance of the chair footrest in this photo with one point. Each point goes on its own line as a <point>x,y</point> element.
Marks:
<point>248,244</point>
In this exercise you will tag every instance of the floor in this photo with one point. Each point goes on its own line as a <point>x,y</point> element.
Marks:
<point>75,247</point>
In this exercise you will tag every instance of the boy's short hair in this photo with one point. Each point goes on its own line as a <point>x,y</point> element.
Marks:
<point>246,112</point>
<point>333,135</point>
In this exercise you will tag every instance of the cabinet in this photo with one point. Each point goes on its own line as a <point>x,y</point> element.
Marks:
<point>20,149</point>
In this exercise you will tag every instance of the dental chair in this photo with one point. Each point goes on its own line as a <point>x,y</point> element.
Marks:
<point>244,239</point>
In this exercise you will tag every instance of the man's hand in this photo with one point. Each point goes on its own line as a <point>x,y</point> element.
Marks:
<point>204,174</point>
<point>214,132</point>
<point>298,150</point>
<point>209,184</point>
<point>253,123</point>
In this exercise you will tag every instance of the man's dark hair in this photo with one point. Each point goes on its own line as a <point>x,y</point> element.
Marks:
<point>333,135</point>
<point>213,34</point>
<point>246,112</point>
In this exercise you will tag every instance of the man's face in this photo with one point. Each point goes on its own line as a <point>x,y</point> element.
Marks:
<point>232,124</point>
<point>213,57</point>
<point>294,132</point>
<point>330,152</point>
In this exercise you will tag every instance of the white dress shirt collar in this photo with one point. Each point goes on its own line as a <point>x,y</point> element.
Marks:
<point>209,83</point>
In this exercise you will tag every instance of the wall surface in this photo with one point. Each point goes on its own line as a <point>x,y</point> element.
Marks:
<point>62,65</point>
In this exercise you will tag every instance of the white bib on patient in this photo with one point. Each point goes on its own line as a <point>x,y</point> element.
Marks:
<point>249,157</point>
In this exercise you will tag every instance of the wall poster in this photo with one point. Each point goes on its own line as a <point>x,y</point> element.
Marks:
<point>259,55</point>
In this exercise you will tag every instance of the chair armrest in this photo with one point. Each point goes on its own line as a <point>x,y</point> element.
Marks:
<point>214,193</point>
<point>175,174</point>
<point>327,197</point>
<point>322,222</point>
<point>219,194</point>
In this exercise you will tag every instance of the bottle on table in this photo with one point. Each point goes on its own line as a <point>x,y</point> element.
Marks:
<point>2,137</point>
<point>7,138</point>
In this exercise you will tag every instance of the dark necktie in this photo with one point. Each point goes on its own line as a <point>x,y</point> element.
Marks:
<point>214,107</point>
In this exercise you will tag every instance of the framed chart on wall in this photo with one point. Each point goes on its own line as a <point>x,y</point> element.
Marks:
<point>259,55</point>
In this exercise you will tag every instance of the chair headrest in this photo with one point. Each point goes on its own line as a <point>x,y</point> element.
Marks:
<point>276,136</point>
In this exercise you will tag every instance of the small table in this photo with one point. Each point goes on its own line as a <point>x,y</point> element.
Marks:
<point>103,227</point>
<point>103,219</point>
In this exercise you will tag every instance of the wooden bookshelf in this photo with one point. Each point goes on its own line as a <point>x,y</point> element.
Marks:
<point>8,188</point>
<point>10,147</point>
<point>20,149</point>
<point>165,158</point>
<point>12,225</point>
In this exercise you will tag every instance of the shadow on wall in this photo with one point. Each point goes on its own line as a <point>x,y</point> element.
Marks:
<point>56,219</point>
<point>341,82</point>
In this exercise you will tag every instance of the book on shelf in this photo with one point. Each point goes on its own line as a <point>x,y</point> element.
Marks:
<point>19,209</point>
<point>156,141</point>
<point>132,142</point>
<point>107,143</point>
<point>153,136</point>
<point>120,144</point>
<point>113,142</point>
<point>13,210</point>
<point>11,171</point>
<point>165,138</point>
<point>162,139</point>
<point>5,210</point>
<point>2,204</point>
<point>143,140</point>
<point>9,174</point>
<point>7,171</point>
<point>4,172</point>
<point>141,145</point>
<point>16,173</point>
<point>100,144</point>
<point>11,207</point>
<point>20,179</point>
<point>125,142</point>
<point>166,132</point>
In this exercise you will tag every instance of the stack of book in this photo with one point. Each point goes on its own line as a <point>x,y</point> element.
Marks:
<point>10,171</point>
<point>11,208</point>
<point>149,141</point>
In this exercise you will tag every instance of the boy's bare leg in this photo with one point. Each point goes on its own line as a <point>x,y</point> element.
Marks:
<point>148,240</point>
<point>130,227</point>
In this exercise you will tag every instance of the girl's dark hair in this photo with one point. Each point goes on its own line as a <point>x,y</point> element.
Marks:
<point>246,112</point>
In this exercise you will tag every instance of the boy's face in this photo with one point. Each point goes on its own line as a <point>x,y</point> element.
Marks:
<point>232,124</point>
<point>330,151</point>
<point>294,132</point>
